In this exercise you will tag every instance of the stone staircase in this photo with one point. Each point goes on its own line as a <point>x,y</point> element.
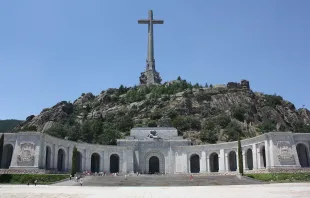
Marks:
<point>165,180</point>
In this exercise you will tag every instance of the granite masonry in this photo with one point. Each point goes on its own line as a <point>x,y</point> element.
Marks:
<point>156,150</point>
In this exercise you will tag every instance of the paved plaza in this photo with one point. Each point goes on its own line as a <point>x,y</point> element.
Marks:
<point>288,190</point>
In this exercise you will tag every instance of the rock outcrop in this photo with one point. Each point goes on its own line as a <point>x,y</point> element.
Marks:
<point>168,104</point>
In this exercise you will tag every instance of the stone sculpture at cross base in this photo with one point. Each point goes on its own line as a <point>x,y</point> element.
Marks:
<point>150,75</point>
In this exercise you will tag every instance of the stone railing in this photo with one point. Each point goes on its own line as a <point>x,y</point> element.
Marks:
<point>29,171</point>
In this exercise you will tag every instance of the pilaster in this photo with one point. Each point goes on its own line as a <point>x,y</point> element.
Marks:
<point>222,161</point>
<point>203,167</point>
<point>254,152</point>
<point>106,161</point>
<point>267,153</point>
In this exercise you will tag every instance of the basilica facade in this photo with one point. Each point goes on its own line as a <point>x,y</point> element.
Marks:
<point>155,150</point>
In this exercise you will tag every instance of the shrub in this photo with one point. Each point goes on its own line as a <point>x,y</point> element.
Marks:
<point>157,114</point>
<point>152,123</point>
<point>195,123</point>
<point>223,120</point>
<point>25,178</point>
<point>273,100</point>
<point>267,126</point>
<point>232,130</point>
<point>238,113</point>
<point>181,123</point>
<point>203,96</point>
<point>208,136</point>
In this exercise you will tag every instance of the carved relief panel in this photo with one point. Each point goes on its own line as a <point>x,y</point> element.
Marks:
<point>26,154</point>
<point>285,154</point>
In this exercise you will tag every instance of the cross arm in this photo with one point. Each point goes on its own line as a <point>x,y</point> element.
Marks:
<point>157,21</point>
<point>143,21</point>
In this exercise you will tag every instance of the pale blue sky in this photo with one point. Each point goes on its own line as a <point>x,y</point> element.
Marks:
<point>55,50</point>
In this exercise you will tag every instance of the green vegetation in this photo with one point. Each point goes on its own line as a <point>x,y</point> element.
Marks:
<point>238,113</point>
<point>267,126</point>
<point>25,178</point>
<point>74,161</point>
<point>300,127</point>
<point>273,100</point>
<point>280,177</point>
<point>30,128</point>
<point>8,125</point>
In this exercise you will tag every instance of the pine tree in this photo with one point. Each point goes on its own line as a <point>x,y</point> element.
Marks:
<point>74,160</point>
<point>1,147</point>
<point>240,158</point>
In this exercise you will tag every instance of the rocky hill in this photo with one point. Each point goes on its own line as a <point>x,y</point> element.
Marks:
<point>205,114</point>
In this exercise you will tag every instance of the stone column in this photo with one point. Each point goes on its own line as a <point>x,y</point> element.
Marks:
<point>245,167</point>
<point>188,164</point>
<point>203,167</point>
<point>106,161</point>
<point>123,162</point>
<point>226,162</point>
<point>267,149</point>
<point>271,154</point>
<point>101,168</point>
<point>88,160</point>
<point>208,164</point>
<point>55,156</point>
<point>83,152</point>
<point>259,164</point>
<point>254,154</point>
<point>222,161</point>
<point>237,160</point>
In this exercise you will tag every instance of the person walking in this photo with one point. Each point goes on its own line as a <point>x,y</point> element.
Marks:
<point>35,182</point>
<point>81,182</point>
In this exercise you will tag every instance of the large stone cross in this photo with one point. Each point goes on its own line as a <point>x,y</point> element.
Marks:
<point>150,50</point>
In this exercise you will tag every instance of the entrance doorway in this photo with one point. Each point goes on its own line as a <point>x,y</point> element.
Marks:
<point>232,158</point>
<point>48,156</point>
<point>114,163</point>
<point>7,156</point>
<point>153,165</point>
<point>194,163</point>
<point>95,163</point>
<point>303,155</point>
<point>214,162</point>
<point>61,160</point>
<point>249,159</point>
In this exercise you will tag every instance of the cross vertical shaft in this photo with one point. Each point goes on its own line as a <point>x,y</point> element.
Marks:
<point>150,50</point>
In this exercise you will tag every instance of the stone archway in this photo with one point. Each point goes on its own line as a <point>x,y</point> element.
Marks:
<point>249,159</point>
<point>232,159</point>
<point>160,157</point>
<point>7,156</point>
<point>303,155</point>
<point>153,165</point>
<point>195,163</point>
<point>262,157</point>
<point>95,163</point>
<point>48,157</point>
<point>114,163</point>
<point>61,160</point>
<point>214,162</point>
